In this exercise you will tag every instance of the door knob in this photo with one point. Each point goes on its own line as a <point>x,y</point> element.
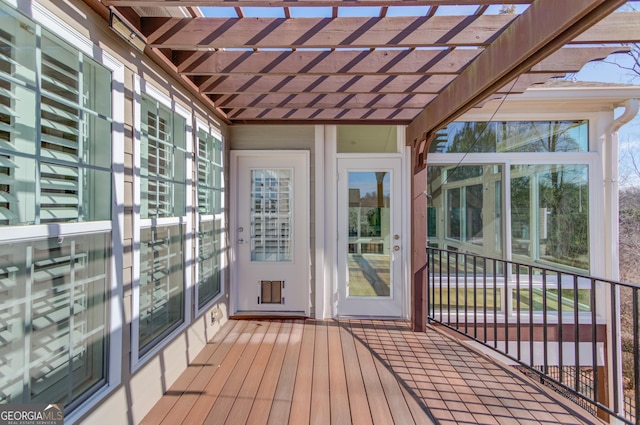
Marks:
<point>396,248</point>
<point>240,240</point>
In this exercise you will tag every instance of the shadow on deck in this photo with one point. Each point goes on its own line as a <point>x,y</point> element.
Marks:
<point>351,371</point>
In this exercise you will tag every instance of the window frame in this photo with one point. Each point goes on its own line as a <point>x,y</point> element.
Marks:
<point>42,17</point>
<point>592,159</point>
<point>213,131</point>
<point>137,358</point>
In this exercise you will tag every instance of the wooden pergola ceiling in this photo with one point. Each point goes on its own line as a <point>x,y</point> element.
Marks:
<point>416,62</point>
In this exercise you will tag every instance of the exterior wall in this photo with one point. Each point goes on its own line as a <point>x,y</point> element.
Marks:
<point>139,390</point>
<point>286,137</point>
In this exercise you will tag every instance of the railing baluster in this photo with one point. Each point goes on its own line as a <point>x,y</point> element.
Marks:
<point>484,295</point>
<point>440,284</point>
<point>518,321</point>
<point>466,318</point>
<point>475,297</point>
<point>576,332</point>
<point>614,348</point>
<point>545,332</point>
<point>495,305</point>
<point>636,353</point>
<point>505,303</point>
<point>457,286</point>
<point>594,341</point>
<point>531,339</point>
<point>449,288</point>
<point>560,336</point>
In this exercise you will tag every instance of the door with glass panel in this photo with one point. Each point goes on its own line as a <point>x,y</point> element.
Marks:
<point>370,243</point>
<point>270,232</point>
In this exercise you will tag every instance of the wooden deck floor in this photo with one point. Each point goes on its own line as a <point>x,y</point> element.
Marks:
<point>350,372</point>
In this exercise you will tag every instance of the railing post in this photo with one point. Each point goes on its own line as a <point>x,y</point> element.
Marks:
<point>418,246</point>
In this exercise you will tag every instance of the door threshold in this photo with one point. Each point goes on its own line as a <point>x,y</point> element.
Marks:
<point>364,317</point>
<point>252,315</point>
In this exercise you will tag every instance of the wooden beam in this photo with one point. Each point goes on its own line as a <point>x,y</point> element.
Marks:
<point>406,84</point>
<point>542,29</point>
<point>396,116</point>
<point>325,101</point>
<point>324,62</point>
<point>299,3</point>
<point>619,27</point>
<point>194,33</point>
<point>389,62</point>
<point>380,84</point>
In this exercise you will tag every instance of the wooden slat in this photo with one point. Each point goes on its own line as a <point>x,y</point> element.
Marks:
<point>339,396</point>
<point>278,114</point>
<point>378,405</point>
<point>327,62</point>
<point>242,406</point>
<point>404,84</point>
<point>298,3</point>
<point>358,403</point>
<point>264,398</point>
<point>388,62</point>
<point>213,386</point>
<point>301,407</point>
<point>221,343</point>
<point>263,339</point>
<point>281,407</point>
<point>193,33</point>
<point>320,398</point>
<point>325,101</point>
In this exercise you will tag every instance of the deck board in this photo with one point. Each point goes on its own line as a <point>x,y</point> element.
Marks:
<point>359,372</point>
<point>301,405</point>
<point>261,407</point>
<point>281,407</point>
<point>185,391</point>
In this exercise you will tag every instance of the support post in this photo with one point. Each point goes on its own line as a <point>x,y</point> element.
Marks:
<point>418,239</point>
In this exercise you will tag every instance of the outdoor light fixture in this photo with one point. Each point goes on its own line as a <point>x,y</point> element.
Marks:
<point>119,26</point>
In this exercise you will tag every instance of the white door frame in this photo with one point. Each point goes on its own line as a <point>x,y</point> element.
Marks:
<point>327,288</point>
<point>233,219</point>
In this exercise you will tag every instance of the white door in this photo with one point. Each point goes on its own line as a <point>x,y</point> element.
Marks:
<point>270,231</point>
<point>370,244</point>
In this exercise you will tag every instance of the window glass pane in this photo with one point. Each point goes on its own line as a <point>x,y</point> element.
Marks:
<point>369,255</point>
<point>161,283</point>
<point>59,288</point>
<point>550,214</point>
<point>163,161</point>
<point>552,300</point>
<point>479,298</point>
<point>209,174</point>
<point>47,180</point>
<point>465,208</point>
<point>271,215</point>
<point>513,136</point>
<point>208,261</point>
<point>367,139</point>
